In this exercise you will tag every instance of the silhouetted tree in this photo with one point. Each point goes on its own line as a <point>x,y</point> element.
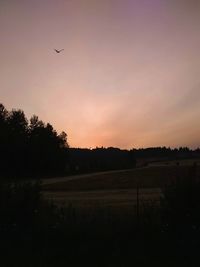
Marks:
<point>29,149</point>
<point>18,140</point>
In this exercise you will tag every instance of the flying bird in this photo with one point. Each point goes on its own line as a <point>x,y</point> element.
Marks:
<point>58,51</point>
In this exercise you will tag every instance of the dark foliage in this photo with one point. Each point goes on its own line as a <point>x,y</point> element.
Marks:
<point>180,216</point>
<point>160,153</point>
<point>100,159</point>
<point>29,148</point>
<point>111,158</point>
<point>37,233</point>
<point>181,204</point>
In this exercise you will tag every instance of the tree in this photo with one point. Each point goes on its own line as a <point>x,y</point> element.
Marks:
<point>30,148</point>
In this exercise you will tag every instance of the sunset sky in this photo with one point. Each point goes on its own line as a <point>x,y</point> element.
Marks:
<point>129,75</point>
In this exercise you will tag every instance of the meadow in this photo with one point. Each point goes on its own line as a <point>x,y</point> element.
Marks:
<point>117,218</point>
<point>104,219</point>
<point>119,189</point>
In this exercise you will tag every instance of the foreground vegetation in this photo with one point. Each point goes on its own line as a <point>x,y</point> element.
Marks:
<point>38,233</point>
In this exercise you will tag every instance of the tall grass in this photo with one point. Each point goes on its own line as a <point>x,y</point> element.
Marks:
<point>38,233</point>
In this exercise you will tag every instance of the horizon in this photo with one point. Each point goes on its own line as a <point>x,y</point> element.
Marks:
<point>128,76</point>
<point>107,147</point>
<point>137,148</point>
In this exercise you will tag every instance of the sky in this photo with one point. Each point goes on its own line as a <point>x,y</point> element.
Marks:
<point>129,75</point>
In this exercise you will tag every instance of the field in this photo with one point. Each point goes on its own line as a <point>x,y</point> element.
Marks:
<point>118,190</point>
<point>106,219</point>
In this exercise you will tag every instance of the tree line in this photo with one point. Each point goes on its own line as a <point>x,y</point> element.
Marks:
<point>101,158</point>
<point>32,148</point>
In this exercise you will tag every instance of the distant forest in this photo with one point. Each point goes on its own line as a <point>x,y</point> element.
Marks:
<point>33,149</point>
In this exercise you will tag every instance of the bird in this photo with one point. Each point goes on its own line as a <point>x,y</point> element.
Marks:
<point>58,51</point>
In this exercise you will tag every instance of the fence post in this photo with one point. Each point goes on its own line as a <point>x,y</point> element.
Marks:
<point>138,205</point>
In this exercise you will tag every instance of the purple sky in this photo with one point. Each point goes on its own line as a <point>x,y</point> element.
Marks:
<point>129,75</point>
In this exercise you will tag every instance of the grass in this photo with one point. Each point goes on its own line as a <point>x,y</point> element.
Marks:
<point>182,162</point>
<point>153,176</point>
<point>108,232</point>
<point>116,191</point>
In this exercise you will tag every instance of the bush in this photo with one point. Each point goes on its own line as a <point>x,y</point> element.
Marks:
<point>181,204</point>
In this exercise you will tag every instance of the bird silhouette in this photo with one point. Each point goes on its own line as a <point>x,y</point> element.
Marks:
<point>58,51</point>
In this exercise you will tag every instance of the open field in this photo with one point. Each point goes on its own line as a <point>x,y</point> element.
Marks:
<point>183,162</point>
<point>147,177</point>
<point>116,189</point>
<point>122,199</point>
